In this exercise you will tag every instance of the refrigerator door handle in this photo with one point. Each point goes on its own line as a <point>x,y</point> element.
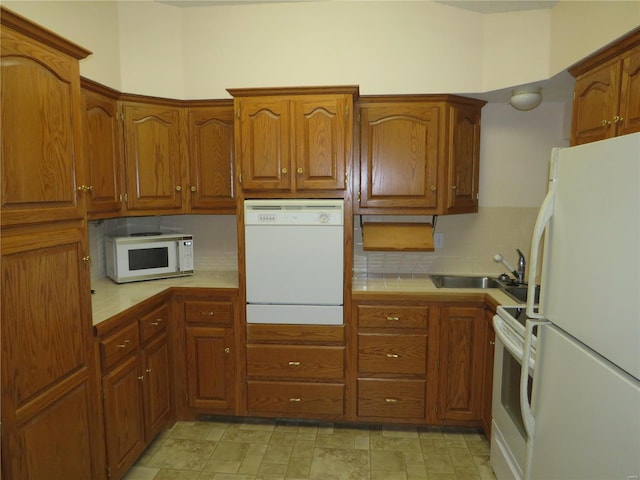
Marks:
<point>525,407</point>
<point>544,216</point>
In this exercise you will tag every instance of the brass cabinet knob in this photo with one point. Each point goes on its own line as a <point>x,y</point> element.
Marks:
<point>85,188</point>
<point>178,188</point>
<point>433,188</point>
<point>141,378</point>
<point>148,370</point>
<point>284,170</point>
<point>193,188</point>
<point>300,170</point>
<point>87,259</point>
<point>606,123</point>
<point>617,119</point>
<point>453,187</point>
<point>227,350</point>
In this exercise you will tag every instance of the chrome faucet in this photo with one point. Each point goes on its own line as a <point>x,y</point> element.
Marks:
<point>518,274</point>
<point>521,267</point>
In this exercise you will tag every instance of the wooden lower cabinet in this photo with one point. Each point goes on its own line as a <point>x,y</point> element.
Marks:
<point>136,382</point>
<point>462,350</point>
<point>423,362</point>
<point>206,369</point>
<point>49,387</point>
<point>391,361</point>
<point>296,372</point>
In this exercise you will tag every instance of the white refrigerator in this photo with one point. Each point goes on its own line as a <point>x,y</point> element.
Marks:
<point>583,421</point>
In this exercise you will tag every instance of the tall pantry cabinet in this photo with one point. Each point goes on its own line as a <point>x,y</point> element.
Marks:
<point>50,422</point>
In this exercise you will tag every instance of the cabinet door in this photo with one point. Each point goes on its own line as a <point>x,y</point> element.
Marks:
<point>399,156</point>
<point>488,373</point>
<point>41,137</point>
<point>630,93</point>
<point>211,158</point>
<point>323,136</point>
<point>210,368</point>
<point>157,387</point>
<point>595,103</point>
<point>48,378</point>
<point>152,157</point>
<point>461,367</point>
<point>264,143</point>
<point>102,154</point>
<point>463,168</point>
<point>123,415</point>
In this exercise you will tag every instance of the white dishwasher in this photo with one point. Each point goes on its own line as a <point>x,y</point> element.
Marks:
<point>294,259</point>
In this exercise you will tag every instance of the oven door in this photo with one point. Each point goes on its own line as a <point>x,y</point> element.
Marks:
<point>508,435</point>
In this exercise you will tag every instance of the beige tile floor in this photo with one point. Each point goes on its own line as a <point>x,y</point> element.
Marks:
<point>271,450</point>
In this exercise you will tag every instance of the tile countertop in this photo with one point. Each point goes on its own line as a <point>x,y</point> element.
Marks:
<point>111,298</point>
<point>422,285</point>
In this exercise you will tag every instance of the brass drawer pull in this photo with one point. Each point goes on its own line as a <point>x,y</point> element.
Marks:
<point>210,314</point>
<point>392,355</point>
<point>293,400</point>
<point>393,319</point>
<point>125,344</point>
<point>391,400</point>
<point>157,322</point>
<point>294,364</point>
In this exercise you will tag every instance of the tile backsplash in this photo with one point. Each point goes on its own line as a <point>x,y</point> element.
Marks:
<point>214,238</point>
<point>470,242</point>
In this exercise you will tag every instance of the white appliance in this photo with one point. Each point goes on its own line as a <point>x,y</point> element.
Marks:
<point>294,259</point>
<point>146,256</point>
<point>583,419</point>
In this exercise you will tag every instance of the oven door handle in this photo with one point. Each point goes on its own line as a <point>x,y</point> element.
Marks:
<point>500,327</point>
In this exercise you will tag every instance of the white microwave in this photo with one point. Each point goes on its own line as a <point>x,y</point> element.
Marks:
<point>147,256</point>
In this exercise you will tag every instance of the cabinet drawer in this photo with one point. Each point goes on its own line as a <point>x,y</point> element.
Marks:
<point>295,361</point>
<point>118,345</point>
<point>154,322</point>
<point>388,353</point>
<point>295,398</point>
<point>216,313</point>
<point>391,398</point>
<point>392,316</point>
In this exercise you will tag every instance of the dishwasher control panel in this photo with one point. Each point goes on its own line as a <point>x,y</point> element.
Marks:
<point>294,212</point>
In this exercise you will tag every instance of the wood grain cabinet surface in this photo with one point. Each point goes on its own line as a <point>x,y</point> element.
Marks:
<point>391,361</point>
<point>102,151</point>
<point>607,92</point>
<point>41,118</point>
<point>48,377</point>
<point>208,376</point>
<point>137,382</point>
<point>462,351</point>
<point>294,140</point>
<point>295,371</point>
<point>153,157</point>
<point>211,157</point>
<point>418,154</point>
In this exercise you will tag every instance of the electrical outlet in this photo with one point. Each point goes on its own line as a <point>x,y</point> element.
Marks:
<point>438,240</point>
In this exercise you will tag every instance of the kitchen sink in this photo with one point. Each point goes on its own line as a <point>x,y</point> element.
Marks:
<point>516,291</point>
<point>464,281</point>
<point>519,292</point>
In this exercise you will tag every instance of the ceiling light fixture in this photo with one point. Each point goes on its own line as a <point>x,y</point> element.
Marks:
<point>526,98</point>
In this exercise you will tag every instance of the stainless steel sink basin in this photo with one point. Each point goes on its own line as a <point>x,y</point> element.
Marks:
<point>464,281</point>
<point>519,292</point>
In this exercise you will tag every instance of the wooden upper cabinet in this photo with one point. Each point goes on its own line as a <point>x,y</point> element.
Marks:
<point>210,130</point>
<point>102,150</point>
<point>41,118</point>
<point>399,150</point>
<point>607,92</point>
<point>463,169</point>
<point>153,157</point>
<point>419,154</point>
<point>294,140</point>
